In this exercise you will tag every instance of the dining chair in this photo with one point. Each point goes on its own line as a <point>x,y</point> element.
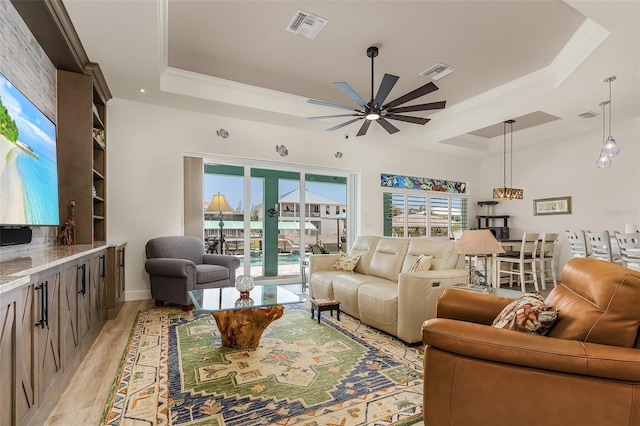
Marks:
<point>600,244</point>
<point>629,245</point>
<point>525,259</point>
<point>547,250</point>
<point>577,243</point>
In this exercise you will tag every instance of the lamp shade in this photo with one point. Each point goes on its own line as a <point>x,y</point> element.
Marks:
<point>478,242</point>
<point>508,193</point>
<point>220,204</point>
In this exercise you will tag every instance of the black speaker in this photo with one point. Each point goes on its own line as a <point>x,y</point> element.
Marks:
<point>11,235</point>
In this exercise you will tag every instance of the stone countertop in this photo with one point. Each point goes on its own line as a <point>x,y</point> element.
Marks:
<point>16,268</point>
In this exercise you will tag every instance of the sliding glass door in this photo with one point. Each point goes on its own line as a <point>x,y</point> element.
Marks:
<point>274,218</point>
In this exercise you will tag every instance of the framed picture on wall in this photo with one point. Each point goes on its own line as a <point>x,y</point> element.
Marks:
<point>547,206</point>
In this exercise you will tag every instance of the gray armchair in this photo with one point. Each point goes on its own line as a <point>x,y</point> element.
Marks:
<point>178,264</point>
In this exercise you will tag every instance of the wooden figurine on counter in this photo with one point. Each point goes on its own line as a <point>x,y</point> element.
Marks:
<point>67,236</point>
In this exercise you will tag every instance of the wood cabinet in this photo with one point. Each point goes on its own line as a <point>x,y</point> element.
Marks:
<point>98,293</point>
<point>31,348</point>
<point>13,403</point>
<point>115,279</point>
<point>81,149</point>
<point>46,328</point>
<point>49,366</point>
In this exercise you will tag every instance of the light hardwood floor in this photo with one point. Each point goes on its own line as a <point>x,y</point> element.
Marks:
<point>84,399</point>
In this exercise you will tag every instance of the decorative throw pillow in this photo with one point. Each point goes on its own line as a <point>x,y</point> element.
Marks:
<point>422,263</point>
<point>345,263</point>
<point>527,314</point>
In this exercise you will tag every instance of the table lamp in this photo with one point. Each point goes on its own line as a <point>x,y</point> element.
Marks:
<point>478,242</point>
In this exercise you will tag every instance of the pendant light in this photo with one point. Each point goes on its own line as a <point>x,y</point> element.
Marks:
<point>507,193</point>
<point>603,161</point>
<point>610,147</point>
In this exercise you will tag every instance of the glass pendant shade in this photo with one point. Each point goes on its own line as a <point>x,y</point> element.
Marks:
<point>610,148</point>
<point>603,162</point>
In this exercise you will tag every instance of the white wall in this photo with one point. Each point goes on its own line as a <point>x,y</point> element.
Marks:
<point>602,199</point>
<point>145,145</point>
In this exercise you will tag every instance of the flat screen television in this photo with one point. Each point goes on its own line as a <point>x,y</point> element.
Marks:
<point>28,162</point>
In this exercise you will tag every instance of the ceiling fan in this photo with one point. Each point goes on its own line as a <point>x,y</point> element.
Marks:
<point>375,110</point>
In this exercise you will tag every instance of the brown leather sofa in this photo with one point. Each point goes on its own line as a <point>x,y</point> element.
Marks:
<point>585,371</point>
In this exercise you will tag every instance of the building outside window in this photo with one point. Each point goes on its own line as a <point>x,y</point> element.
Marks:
<point>423,215</point>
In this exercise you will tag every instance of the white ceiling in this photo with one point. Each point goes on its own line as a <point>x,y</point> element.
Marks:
<point>513,59</point>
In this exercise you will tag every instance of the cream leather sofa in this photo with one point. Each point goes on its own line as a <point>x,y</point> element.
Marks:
<point>381,291</point>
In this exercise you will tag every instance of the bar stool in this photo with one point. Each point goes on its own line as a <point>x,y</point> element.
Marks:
<point>547,250</point>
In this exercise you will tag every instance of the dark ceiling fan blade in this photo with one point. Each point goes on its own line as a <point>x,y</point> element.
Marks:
<point>387,126</point>
<point>408,119</point>
<point>322,117</point>
<point>388,81</point>
<point>339,126</point>
<point>329,104</point>
<point>420,91</point>
<point>364,128</point>
<point>347,90</point>
<point>421,107</point>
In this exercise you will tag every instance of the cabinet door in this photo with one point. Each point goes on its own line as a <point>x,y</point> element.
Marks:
<point>83,293</point>
<point>48,332</point>
<point>69,311</point>
<point>27,398</point>
<point>9,356</point>
<point>120,276</point>
<point>99,288</point>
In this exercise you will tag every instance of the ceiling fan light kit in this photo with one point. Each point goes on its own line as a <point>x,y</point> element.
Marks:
<point>376,110</point>
<point>507,192</point>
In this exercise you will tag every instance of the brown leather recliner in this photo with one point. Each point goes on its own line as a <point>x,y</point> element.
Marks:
<point>586,371</point>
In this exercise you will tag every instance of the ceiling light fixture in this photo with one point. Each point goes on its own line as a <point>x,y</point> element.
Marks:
<point>603,161</point>
<point>610,147</point>
<point>507,193</point>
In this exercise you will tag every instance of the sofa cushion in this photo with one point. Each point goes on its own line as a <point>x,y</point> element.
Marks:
<point>378,304</point>
<point>388,258</point>
<point>345,262</point>
<point>439,249</point>
<point>364,246</point>
<point>207,273</point>
<point>422,263</point>
<point>606,313</point>
<point>177,247</point>
<point>321,283</point>
<point>345,290</point>
<point>527,314</point>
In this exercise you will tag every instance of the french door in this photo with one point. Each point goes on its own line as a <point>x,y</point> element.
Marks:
<point>275,219</point>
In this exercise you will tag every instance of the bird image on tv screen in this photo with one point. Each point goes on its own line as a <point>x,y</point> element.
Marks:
<point>28,161</point>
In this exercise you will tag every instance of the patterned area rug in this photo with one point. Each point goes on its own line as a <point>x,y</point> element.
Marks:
<point>174,372</point>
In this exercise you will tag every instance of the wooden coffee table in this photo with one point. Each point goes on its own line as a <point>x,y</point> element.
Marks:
<point>242,321</point>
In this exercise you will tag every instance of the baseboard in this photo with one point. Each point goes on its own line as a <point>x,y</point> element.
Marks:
<point>137,295</point>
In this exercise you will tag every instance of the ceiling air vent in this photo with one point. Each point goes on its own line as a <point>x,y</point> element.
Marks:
<point>437,71</point>
<point>588,114</point>
<point>306,25</point>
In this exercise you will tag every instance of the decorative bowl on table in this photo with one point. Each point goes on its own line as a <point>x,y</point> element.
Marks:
<point>244,284</point>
